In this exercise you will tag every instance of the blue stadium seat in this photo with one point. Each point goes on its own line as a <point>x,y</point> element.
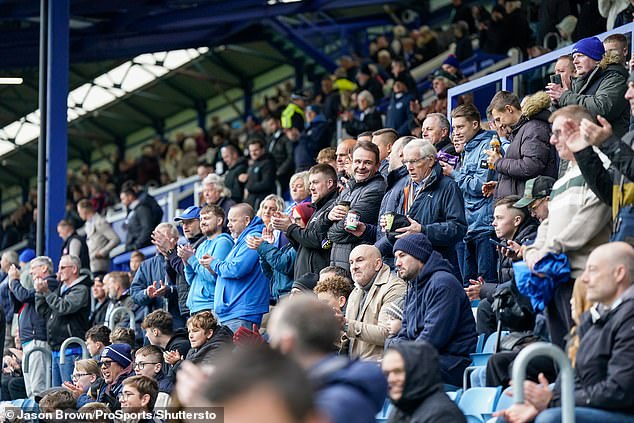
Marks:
<point>478,401</point>
<point>480,343</point>
<point>382,415</point>
<point>454,395</point>
<point>504,402</point>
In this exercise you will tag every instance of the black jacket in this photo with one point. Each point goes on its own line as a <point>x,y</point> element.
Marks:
<point>84,256</point>
<point>31,324</point>
<point>261,180</point>
<point>423,399</point>
<point>139,227</point>
<point>604,375</point>
<point>231,179</point>
<point>311,256</point>
<point>175,268</point>
<point>221,340</point>
<point>281,148</point>
<point>67,313</point>
<point>370,120</point>
<point>98,315</point>
<point>178,342</point>
<point>317,135</point>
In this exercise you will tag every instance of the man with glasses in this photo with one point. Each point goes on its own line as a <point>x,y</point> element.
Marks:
<point>67,309</point>
<point>116,366</point>
<point>32,326</point>
<point>536,196</point>
<point>431,202</point>
<point>148,361</point>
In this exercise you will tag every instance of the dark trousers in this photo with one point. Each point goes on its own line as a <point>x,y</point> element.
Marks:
<point>480,259</point>
<point>500,368</point>
<point>558,314</point>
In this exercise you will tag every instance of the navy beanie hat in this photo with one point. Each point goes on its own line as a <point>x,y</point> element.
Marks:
<point>119,353</point>
<point>416,245</point>
<point>591,47</point>
<point>452,60</point>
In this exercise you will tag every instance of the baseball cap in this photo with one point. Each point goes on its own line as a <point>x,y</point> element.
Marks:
<point>191,212</point>
<point>535,189</point>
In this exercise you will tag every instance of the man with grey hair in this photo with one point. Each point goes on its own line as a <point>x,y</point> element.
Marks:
<point>307,330</point>
<point>153,285</point>
<point>31,325</point>
<point>66,309</point>
<point>9,259</point>
<point>426,201</point>
<point>436,129</point>
<point>369,119</point>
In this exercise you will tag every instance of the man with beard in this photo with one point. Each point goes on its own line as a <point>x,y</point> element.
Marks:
<point>436,308</point>
<point>201,281</point>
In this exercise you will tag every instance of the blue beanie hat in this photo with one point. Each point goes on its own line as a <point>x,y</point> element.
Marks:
<point>591,47</point>
<point>452,60</point>
<point>119,353</point>
<point>416,245</point>
<point>27,255</point>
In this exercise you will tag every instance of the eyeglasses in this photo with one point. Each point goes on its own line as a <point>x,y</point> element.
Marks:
<point>76,376</point>
<point>536,204</point>
<point>106,364</point>
<point>123,396</point>
<point>141,364</point>
<point>64,267</point>
<point>412,162</point>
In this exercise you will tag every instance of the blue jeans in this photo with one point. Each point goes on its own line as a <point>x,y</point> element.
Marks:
<point>585,415</point>
<point>480,259</point>
<point>234,324</point>
<point>62,372</point>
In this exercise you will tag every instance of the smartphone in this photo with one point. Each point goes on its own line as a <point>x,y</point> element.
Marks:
<point>556,79</point>
<point>499,244</point>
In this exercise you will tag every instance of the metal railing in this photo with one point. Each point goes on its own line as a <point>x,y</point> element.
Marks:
<point>73,340</point>
<point>119,310</point>
<point>565,372</point>
<point>505,76</point>
<point>47,354</point>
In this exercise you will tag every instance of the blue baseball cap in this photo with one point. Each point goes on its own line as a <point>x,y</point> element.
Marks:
<point>191,212</point>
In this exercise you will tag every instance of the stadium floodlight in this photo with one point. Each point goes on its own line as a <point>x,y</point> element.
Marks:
<point>10,80</point>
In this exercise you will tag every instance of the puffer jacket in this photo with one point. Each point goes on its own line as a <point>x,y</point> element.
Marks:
<point>470,178</point>
<point>602,92</point>
<point>365,199</point>
<point>530,153</point>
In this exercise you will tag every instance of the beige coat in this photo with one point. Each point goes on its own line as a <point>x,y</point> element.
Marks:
<point>367,328</point>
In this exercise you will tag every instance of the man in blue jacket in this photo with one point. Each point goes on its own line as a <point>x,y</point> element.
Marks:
<point>202,283</point>
<point>436,308</point>
<point>242,291</point>
<point>31,325</point>
<point>472,142</point>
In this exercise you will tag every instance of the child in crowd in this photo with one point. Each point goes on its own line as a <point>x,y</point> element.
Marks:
<point>97,338</point>
<point>148,361</point>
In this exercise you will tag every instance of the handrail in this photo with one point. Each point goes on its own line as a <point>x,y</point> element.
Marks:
<point>118,310</point>
<point>505,76</point>
<point>47,353</point>
<point>73,340</point>
<point>566,373</point>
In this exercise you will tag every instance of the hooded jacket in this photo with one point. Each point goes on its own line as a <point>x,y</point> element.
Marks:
<point>316,136</point>
<point>602,92</point>
<point>202,283</point>
<point>438,207</point>
<point>423,399</point>
<point>470,178</point>
<point>221,340</point>
<point>66,313</point>
<point>242,291</point>
<point>604,375</point>
<point>311,256</point>
<point>437,310</point>
<point>365,199</point>
<point>530,153</point>
<point>348,391</point>
<point>32,325</point>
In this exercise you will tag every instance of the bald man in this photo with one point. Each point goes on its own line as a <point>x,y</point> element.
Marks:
<point>344,157</point>
<point>604,375</point>
<point>366,321</point>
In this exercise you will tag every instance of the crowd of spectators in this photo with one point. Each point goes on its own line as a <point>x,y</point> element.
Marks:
<point>318,279</point>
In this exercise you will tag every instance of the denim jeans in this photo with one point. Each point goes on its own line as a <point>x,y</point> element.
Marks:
<point>62,372</point>
<point>480,259</point>
<point>585,415</point>
<point>234,324</point>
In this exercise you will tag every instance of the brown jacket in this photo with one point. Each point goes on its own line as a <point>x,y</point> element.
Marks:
<point>367,328</point>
